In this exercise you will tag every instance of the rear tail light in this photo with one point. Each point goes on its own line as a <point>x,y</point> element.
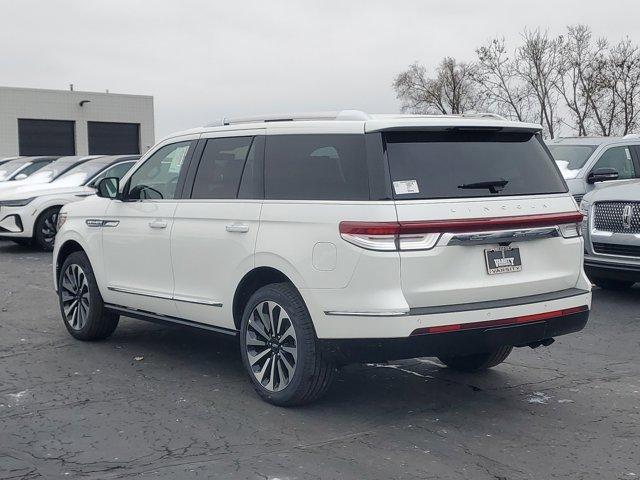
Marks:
<point>396,236</point>
<point>387,236</point>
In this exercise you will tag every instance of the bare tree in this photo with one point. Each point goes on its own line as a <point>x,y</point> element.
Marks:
<point>603,101</point>
<point>578,79</point>
<point>451,90</point>
<point>538,64</point>
<point>498,79</point>
<point>625,70</point>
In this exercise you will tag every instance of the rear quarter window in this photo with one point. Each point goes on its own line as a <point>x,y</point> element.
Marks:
<point>429,165</point>
<point>316,167</point>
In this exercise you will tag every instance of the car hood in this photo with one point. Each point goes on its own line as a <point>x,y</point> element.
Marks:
<point>39,190</point>
<point>626,192</point>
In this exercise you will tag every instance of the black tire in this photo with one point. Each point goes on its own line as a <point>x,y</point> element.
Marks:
<point>611,284</point>
<point>45,229</point>
<point>313,373</point>
<point>23,242</point>
<point>99,322</point>
<point>477,362</point>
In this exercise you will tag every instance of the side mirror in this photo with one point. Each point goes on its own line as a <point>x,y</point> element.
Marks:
<point>21,176</point>
<point>108,188</point>
<point>602,175</point>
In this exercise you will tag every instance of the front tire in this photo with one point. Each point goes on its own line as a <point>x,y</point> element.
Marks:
<point>611,284</point>
<point>45,229</point>
<point>477,362</point>
<point>279,348</point>
<point>81,304</point>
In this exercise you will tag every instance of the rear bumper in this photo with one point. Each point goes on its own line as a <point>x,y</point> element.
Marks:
<point>616,271</point>
<point>454,343</point>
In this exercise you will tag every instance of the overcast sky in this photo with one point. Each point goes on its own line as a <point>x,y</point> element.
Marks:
<point>203,60</point>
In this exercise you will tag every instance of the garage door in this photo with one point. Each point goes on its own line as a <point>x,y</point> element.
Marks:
<point>46,137</point>
<point>110,138</point>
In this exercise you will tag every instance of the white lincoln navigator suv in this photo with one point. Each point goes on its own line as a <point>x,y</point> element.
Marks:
<point>325,239</point>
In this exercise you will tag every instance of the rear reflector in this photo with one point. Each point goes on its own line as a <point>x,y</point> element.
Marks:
<point>537,317</point>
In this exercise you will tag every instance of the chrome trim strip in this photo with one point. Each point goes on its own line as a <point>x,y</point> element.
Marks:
<point>464,307</point>
<point>197,301</point>
<point>142,293</point>
<point>98,223</point>
<point>397,313</point>
<point>502,236</point>
<point>178,298</point>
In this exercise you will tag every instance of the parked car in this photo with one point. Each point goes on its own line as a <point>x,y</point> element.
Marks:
<point>322,240</point>
<point>29,213</point>
<point>612,235</point>
<point>7,159</point>
<point>586,161</point>
<point>20,168</point>
<point>47,173</point>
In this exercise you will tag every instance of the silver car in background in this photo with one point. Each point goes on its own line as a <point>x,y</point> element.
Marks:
<point>611,230</point>
<point>585,161</point>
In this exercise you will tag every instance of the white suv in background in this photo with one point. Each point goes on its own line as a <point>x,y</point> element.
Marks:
<point>333,238</point>
<point>29,213</point>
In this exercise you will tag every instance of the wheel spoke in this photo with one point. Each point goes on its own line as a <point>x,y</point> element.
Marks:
<point>274,315</point>
<point>258,327</point>
<point>255,358</point>
<point>254,341</point>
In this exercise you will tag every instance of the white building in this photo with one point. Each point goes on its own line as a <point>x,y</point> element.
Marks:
<point>67,122</point>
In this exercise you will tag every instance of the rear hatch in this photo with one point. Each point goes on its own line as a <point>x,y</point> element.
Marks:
<point>484,215</point>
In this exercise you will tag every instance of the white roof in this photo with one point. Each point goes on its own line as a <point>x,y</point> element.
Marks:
<point>355,121</point>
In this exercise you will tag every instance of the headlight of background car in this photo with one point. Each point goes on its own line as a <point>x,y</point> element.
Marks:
<point>584,210</point>
<point>16,203</point>
<point>62,217</point>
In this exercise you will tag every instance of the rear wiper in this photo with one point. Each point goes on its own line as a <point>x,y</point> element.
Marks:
<point>494,186</point>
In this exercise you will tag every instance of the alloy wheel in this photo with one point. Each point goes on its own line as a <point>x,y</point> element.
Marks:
<point>75,296</point>
<point>271,346</point>
<point>49,228</point>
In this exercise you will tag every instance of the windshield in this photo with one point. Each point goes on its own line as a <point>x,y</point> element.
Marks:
<point>461,164</point>
<point>80,174</point>
<point>571,158</point>
<point>9,168</point>
<point>52,171</point>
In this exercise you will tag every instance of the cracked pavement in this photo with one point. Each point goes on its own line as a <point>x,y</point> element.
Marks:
<point>70,409</point>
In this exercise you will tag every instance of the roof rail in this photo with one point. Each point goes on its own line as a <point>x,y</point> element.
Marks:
<point>294,117</point>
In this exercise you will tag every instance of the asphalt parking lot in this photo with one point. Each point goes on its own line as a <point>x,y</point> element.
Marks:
<point>159,402</point>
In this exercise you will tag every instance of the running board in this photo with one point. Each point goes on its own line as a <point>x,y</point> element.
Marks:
<point>166,319</point>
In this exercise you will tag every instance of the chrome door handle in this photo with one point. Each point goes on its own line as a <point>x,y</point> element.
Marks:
<point>158,224</point>
<point>237,228</point>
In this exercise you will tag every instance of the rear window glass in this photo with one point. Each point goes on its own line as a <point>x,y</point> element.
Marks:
<point>427,165</point>
<point>316,167</point>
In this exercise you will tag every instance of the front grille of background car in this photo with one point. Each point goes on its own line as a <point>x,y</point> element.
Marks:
<point>608,217</point>
<point>617,249</point>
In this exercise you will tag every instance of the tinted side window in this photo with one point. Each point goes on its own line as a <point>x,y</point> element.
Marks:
<point>221,167</point>
<point>34,167</point>
<point>117,171</point>
<point>252,184</point>
<point>157,178</point>
<point>316,167</point>
<point>620,159</point>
